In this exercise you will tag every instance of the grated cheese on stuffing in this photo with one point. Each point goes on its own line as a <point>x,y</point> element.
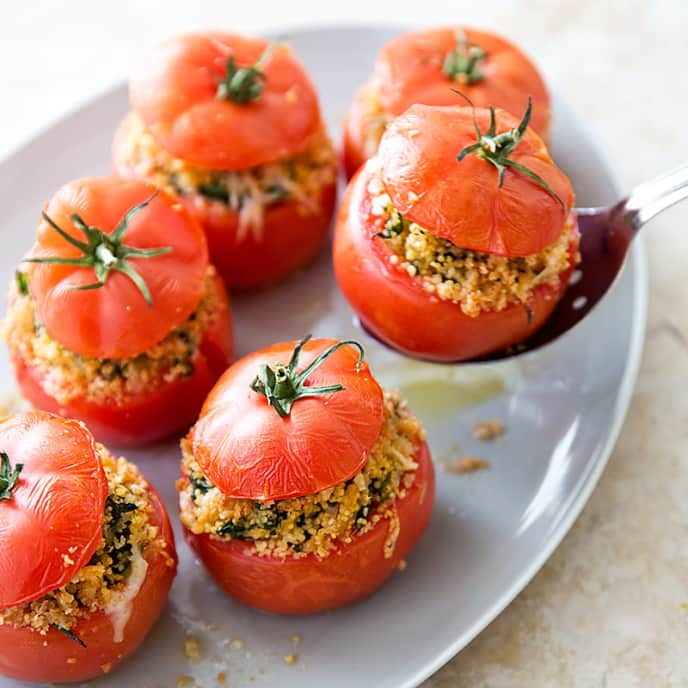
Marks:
<point>100,584</point>
<point>66,375</point>
<point>374,118</point>
<point>476,281</point>
<point>315,523</point>
<point>247,192</point>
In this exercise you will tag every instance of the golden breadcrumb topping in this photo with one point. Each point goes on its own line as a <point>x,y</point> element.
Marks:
<point>300,177</point>
<point>66,375</point>
<point>102,582</point>
<point>315,523</point>
<point>374,118</point>
<point>474,280</point>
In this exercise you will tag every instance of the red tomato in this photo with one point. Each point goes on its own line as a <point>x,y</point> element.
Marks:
<point>153,414</point>
<point>29,656</point>
<point>409,70</point>
<point>115,321</point>
<point>309,584</point>
<point>53,520</point>
<point>248,451</point>
<point>175,92</point>
<point>397,309</point>
<point>462,201</point>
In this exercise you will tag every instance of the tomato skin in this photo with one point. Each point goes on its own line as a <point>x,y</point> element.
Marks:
<point>25,657</point>
<point>175,90</point>
<point>396,308</point>
<point>115,321</point>
<point>165,410</point>
<point>308,584</point>
<point>408,70</point>
<point>248,451</point>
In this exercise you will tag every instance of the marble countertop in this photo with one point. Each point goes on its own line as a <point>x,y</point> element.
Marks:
<point>610,609</point>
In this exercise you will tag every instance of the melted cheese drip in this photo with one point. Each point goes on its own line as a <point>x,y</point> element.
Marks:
<point>120,606</point>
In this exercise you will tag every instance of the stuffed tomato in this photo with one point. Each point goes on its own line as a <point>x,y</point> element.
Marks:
<point>424,67</point>
<point>117,318</point>
<point>304,484</point>
<point>231,125</point>
<point>87,555</point>
<point>457,239</point>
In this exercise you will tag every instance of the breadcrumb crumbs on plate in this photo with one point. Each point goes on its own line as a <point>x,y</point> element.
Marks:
<point>312,524</point>
<point>192,648</point>
<point>66,375</point>
<point>295,639</point>
<point>184,681</point>
<point>487,430</point>
<point>467,464</point>
<point>476,281</point>
<point>236,644</point>
<point>291,659</point>
<point>248,192</point>
<point>401,565</point>
<point>102,582</point>
<point>221,677</point>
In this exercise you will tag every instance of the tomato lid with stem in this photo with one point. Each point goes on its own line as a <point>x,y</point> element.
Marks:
<point>289,420</point>
<point>423,66</point>
<point>480,178</point>
<point>52,504</point>
<point>225,101</point>
<point>116,266</point>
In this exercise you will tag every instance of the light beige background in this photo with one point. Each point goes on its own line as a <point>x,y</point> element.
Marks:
<point>611,608</point>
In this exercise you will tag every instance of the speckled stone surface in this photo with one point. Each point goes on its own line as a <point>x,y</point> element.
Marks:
<point>610,609</point>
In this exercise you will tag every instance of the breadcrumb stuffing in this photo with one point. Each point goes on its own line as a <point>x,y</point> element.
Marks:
<point>374,118</point>
<point>467,464</point>
<point>476,281</point>
<point>126,529</point>
<point>488,430</point>
<point>312,524</point>
<point>300,177</point>
<point>192,648</point>
<point>66,375</point>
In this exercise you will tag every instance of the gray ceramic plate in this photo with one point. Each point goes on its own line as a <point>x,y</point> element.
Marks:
<point>491,531</point>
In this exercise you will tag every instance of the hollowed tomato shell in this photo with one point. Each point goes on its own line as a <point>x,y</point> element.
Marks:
<point>175,92</point>
<point>153,414</point>
<point>461,201</point>
<point>248,451</point>
<point>397,309</point>
<point>53,520</point>
<point>29,656</point>
<point>290,237</point>
<point>308,584</point>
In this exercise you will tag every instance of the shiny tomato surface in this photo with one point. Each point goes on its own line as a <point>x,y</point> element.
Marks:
<point>248,451</point>
<point>115,320</point>
<point>29,656</point>
<point>175,91</point>
<point>311,584</point>
<point>397,309</point>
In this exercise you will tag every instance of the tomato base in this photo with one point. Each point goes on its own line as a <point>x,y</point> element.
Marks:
<point>308,584</point>
<point>26,655</point>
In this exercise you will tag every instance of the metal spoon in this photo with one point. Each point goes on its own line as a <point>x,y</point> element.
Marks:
<point>606,234</point>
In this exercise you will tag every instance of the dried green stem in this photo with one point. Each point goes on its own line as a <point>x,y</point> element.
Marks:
<point>105,252</point>
<point>464,62</point>
<point>284,385</point>
<point>496,148</point>
<point>243,84</point>
<point>8,476</point>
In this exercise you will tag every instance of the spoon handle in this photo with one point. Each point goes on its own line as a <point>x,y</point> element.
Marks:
<point>650,198</point>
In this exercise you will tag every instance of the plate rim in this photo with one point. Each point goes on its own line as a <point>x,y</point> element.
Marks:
<point>637,263</point>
